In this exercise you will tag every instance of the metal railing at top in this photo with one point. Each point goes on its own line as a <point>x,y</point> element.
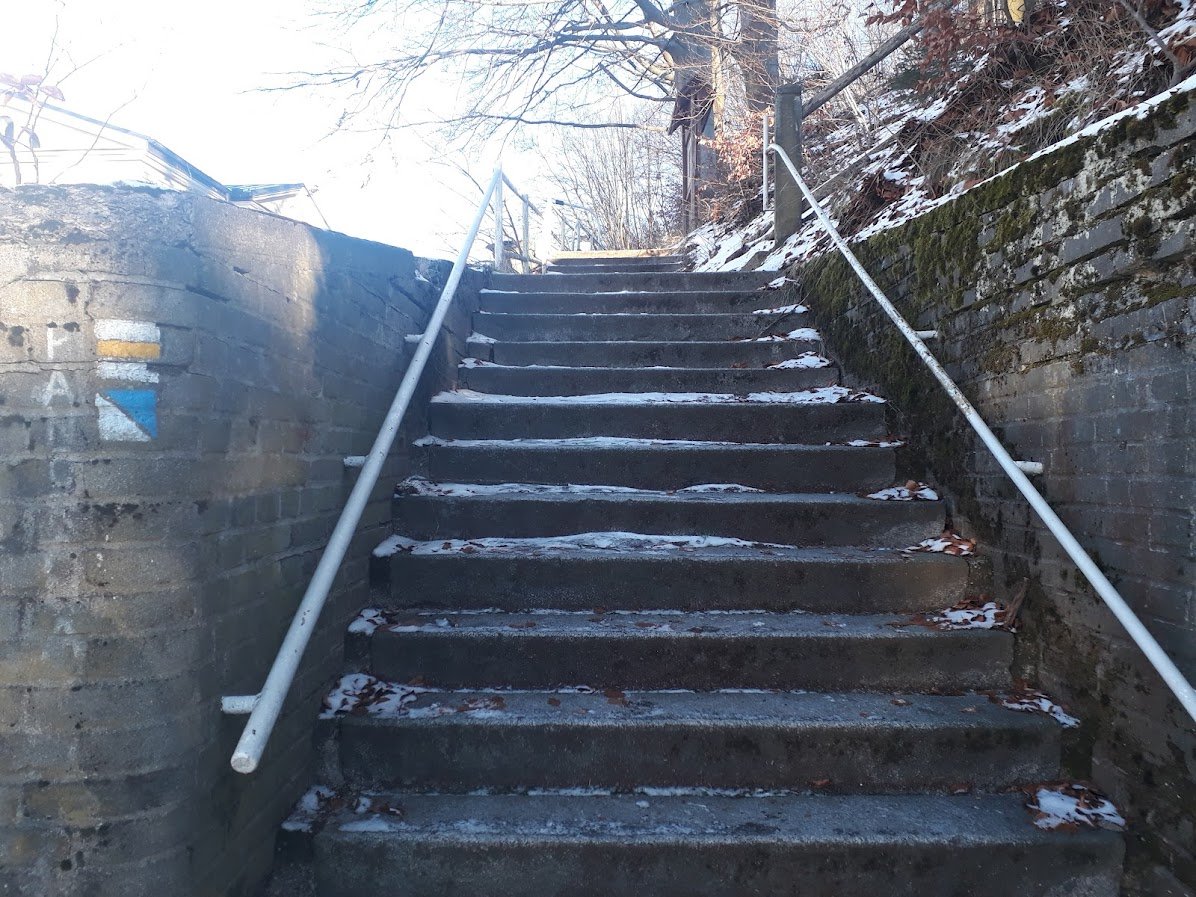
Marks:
<point>264,707</point>
<point>524,243</point>
<point>1141,636</point>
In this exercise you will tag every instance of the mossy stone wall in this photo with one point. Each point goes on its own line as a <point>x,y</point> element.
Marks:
<point>1064,293</point>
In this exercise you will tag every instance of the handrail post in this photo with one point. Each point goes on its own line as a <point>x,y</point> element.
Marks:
<point>527,245</point>
<point>499,249</point>
<point>764,142</point>
<point>788,202</point>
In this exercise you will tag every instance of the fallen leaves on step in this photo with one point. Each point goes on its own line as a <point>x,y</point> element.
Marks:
<point>1031,700</point>
<point>616,697</point>
<point>482,702</point>
<point>377,805</point>
<point>976,612</point>
<point>1069,806</point>
<point>970,613</point>
<point>947,543</point>
<point>911,490</point>
<point>313,809</point>
<point>891,442</point>
<point>359,694</point>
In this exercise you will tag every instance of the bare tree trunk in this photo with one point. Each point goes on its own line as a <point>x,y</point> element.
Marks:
<point>757,51</point>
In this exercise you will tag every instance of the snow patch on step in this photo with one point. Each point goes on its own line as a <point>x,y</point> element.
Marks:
<point>637,543</point>
<point>989,615</point>
<point>805,361</point>
<point>873,443</point>
<point>1071,806</point>
<point>471,363</point>
<point>583,442</point>
<point>1029,700</point>
<point>419,486</point>
<point>801,334</point>
<point>481,338</point>
<point>911,491</point>
<point>368,621</point>
<point>362,694</point>
<point>947,543</point>
<point>311,808</point>
<point>822,395</point>
<point>795,309</point>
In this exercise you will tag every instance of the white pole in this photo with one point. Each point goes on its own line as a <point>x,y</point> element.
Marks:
<point>527,237</point>
<point>499,248</point>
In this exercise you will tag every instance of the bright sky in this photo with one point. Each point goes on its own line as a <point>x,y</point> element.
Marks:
<point>187,74</point>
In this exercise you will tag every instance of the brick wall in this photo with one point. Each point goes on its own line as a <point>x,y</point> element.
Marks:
<point>179,381</point>
<point>1065,296</point>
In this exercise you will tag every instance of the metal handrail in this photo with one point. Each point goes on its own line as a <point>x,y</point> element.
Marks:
<point>264,707</point>
<point>1176,681</point>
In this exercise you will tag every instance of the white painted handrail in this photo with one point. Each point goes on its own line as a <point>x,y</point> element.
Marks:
<point>264,707</point>
<point>1154,652</point>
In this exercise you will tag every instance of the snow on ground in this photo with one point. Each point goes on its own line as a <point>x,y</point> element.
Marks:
<point>899,117</point>
<point>822,395</point>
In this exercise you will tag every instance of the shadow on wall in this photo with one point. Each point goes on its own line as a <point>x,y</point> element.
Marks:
<point>180,380</point>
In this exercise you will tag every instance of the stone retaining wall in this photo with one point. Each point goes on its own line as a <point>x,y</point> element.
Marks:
<point>1064,293</point>
<point>180,380</point>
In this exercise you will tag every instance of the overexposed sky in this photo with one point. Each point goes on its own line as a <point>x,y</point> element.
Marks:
<point>189,75</point>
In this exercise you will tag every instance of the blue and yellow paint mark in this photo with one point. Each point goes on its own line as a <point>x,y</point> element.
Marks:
<point>124,348</point>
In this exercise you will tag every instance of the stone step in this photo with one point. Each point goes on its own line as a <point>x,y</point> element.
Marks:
<point>601,257</point>
<point>773,417</point>
<point>637,327</point>
<point>461,511</point>
<point>659,464</point>
<point>602,266</point>
<point>692,302</point>
<point>461,741</point>
<point>626,354</point>
<point>694,650</point>
<point>568,574</point>
<point>707,845</point>
<point>614,282</point>
<point>522,380</point>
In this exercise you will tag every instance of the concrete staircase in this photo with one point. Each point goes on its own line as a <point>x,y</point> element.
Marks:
<point>702,678</point>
